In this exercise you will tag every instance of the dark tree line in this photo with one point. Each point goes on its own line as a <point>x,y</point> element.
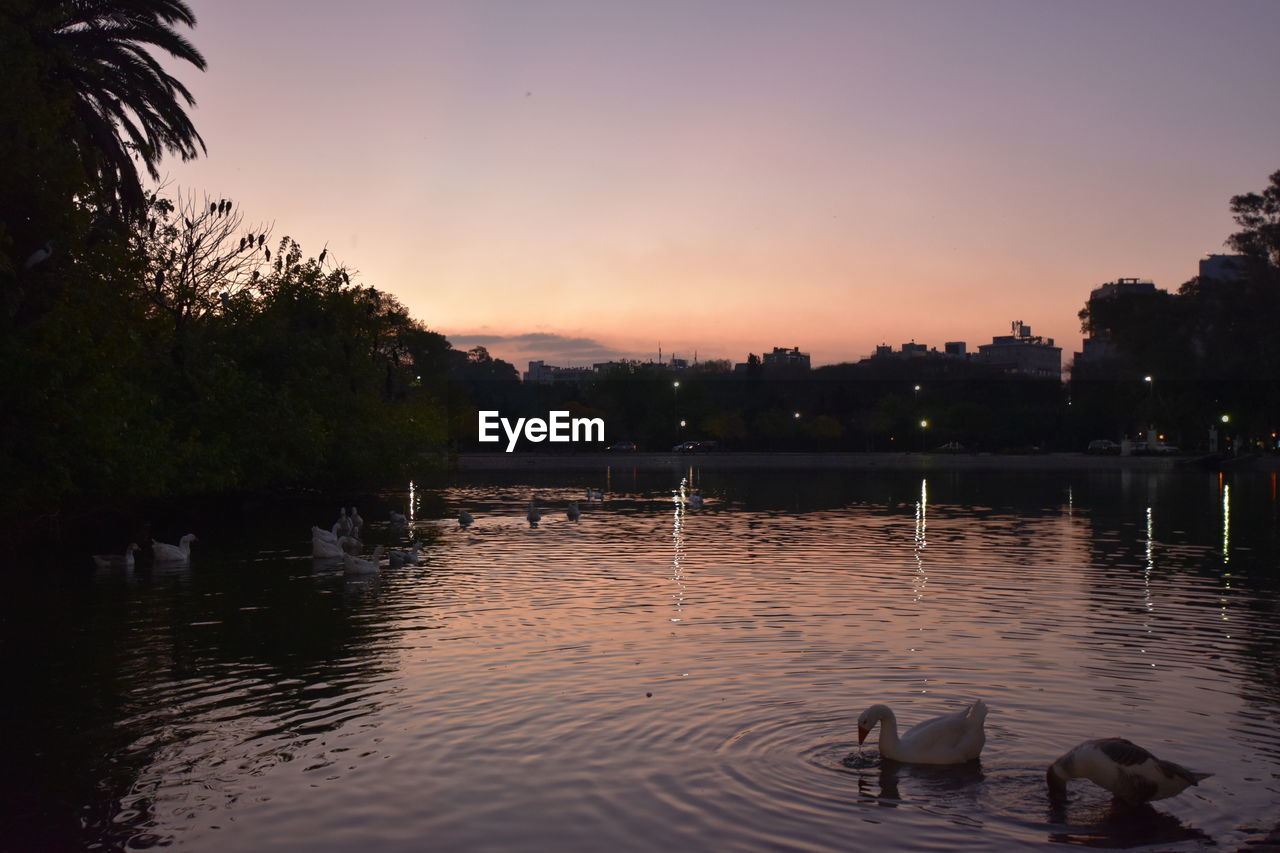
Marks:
<point>1211,349</point>
<point>163,345</point>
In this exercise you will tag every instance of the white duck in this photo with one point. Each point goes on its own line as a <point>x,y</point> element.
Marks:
<point>116,561</point>
<point>323,535</point>
<point>1125,769</point>
<point>398,519</point>
<point>322,549</point>
<point>180,553</point>
<point>356,566</point>
<point>356,522</point>
<point>949,739</point>
<point>342,527</point>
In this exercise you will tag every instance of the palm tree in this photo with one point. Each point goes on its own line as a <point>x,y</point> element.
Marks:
<point>123,103</point>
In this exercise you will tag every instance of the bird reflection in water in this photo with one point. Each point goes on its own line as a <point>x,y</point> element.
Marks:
<point>1116,824</point>
<point>923,781</point>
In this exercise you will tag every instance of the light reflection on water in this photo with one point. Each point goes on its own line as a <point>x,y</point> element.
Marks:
<point>658,675</point>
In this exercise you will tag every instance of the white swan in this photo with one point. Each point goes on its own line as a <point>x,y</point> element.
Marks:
<point>116,561</point>
<point>179,553</point>
<point>464,518</point>
<point>356,566</point>
<point>572,512</point>
<point>325,550</point>
<point>534,515</point>
<point>949,739</point>
<point>1123,768</point>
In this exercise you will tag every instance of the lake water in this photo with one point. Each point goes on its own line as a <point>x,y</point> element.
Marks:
<point>661,677</point>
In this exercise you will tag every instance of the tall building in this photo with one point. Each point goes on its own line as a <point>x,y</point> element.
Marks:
<point>1023,353</point>
<point>1122,287</point>
<point>1222,267</point>
<point>1098,349</point>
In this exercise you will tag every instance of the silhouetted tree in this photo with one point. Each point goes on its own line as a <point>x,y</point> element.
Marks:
<point>97,55</point>
<point>1258,215</point>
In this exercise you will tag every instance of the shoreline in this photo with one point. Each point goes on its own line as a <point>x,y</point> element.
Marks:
<point>498,461</point>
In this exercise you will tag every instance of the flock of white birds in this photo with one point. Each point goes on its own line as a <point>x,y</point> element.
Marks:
<point>1132,774</point>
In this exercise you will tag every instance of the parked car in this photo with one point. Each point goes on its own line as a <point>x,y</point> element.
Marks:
<point>950,447</point>
<point>687,447</point>
<point>623,445</point>
<point>1103,445</point>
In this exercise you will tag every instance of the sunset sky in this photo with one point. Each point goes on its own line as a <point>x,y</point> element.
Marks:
<point>582,179</point>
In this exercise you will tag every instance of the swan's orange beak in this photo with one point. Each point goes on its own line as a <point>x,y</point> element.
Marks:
<point>862,734</point>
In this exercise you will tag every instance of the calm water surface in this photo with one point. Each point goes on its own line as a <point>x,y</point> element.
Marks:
<point>656,676</point>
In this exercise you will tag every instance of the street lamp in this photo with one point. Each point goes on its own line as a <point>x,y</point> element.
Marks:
<point>675,395</point>
<point>1151,409</point>
<point>924,424</point>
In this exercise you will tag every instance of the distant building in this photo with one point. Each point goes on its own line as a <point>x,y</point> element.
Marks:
<point>540,371</point>
<point>781,359</point>
<point>789,358</point>
<point>1098,349</point>
<point>1222,267</point>
<point>956,349</point>
<point>1023,353</point>
<point>907,350</point>
<point>1122,287</point>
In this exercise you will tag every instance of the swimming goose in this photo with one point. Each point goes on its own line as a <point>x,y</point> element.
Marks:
<point>116,561</point>
<point>1125,769</point>
<point>404,558</point>
<point>534,515</point>
<point>356,566</point>
<point>179,553</point>
<point>949,739</point>
<point>322,550</point>
<point>464,518</point>
<point>572,512</point>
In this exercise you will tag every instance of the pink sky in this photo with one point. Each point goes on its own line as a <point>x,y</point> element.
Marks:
<point>601,177</point>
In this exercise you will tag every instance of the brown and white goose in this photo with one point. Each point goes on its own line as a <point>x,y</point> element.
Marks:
<point>1125,769</point>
